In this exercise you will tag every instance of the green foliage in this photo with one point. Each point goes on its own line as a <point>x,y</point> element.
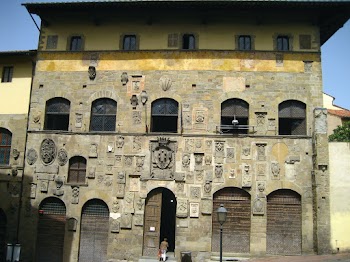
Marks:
<point>341,133</point>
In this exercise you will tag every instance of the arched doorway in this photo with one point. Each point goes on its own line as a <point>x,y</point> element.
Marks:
<point>283,233</point>
<point>3,223</point>
<point>51,229</point>
<point>94,231</point>
<point>236,229</point>
<point>160,219</point>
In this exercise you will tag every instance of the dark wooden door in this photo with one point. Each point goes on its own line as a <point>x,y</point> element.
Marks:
<point>94,232</point>
<point>151,235</point>
<point>236,229</point>
<point>283,223</point>
<point>51,230</point>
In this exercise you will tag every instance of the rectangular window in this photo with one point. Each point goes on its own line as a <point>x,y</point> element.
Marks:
<point>76,43</point>
<point>7,73</point>
<point>173,40</point>
<point>283,43</point>
<point>52,42</point>
<point>188,42</point>
<point>129,42</point>
<point>244,42</point>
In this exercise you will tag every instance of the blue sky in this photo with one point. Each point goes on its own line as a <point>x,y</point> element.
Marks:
<point>18,32</point>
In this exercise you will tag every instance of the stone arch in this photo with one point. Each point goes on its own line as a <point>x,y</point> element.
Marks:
<point>284,185</point>
<point>94,225</point>
<point>160,214</point>
<point>51,230</point>
<point>284,222</point>
<point>238,222</point>
<point>103,94</point>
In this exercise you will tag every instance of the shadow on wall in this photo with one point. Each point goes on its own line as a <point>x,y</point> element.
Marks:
<point>40,227</point>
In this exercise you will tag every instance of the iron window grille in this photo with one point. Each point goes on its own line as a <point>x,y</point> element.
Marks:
<point>188,42</point>
<point>244,42</point>
<point>76,43</point>
<point>77,170</point>
<point>52,206</point>
<point>164,115</point>
<point>95,207</point>
<point>57,114</point>
<point>282,43</point>
<point>103,115</point>
<point>234,116</point>
<point>5,146</point>
<point>292,118</point>
<point>7,74</point>
<point>129,42</point>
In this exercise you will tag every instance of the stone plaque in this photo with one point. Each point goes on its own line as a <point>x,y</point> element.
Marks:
<point>194,209</point>
<point>48,151</point>
<point>206,206</point>
<point>182,207</point>
<point>126,221</point>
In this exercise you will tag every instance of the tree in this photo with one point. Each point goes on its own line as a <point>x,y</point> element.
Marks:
<point>341,133</point>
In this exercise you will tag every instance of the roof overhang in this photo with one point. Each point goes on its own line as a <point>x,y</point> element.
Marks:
<point>328,15</point>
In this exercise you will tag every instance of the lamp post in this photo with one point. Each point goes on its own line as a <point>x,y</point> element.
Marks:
<point>221,213</point>
<point>144,98</point>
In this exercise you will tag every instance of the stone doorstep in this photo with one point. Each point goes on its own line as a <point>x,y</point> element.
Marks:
<point>228,258</point>
<point>170,257</point>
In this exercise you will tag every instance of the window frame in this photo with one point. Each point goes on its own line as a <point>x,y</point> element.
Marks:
<point>293,120</point>
<point>80,178</point>
<point>244,47</point>
<point>6,147</point>
<point>195,44</point>
<point>51,118</point>
<point>235,105</point>
<point>70,41</point>
<point>104,115</point>
<point>281,46</point>
<point>166,116</point>
<point>129,34</point>
<point>7,74</point>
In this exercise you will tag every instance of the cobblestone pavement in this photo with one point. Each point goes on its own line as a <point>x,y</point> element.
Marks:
<point>342,257</point>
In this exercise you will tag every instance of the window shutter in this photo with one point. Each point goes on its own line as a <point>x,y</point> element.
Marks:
<point>173,40</point>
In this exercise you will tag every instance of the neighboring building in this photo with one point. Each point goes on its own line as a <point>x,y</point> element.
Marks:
<point>146,116</point>
<point>16,69</point>
<point>336,114</point>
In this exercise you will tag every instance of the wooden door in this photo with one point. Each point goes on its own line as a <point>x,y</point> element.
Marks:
<point>283,236</point>
<point>94,232</point>
<point>151,234</point>
<point>51,229</point>
<point>236,229</point>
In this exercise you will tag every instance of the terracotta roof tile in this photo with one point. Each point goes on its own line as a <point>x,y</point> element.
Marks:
<point>340,113</point>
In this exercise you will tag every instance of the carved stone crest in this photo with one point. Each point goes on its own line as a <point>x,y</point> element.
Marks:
<point>62,157</point>
<point>48,151</point>
<point>163,159</point>
<point>165,83</point>
<point>120,142</point>
<point>186,160</point>
<point>275,170</point>
<point>59,183</point>
<point>124,78</point>
<point>75,195</point>
<point>259,206</point>
<point>92,72</point>
<point>219,171</point>
<point>32,156</point>
<point>182,207</point>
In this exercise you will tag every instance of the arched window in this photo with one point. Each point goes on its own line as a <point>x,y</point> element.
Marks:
<point>188,42</point>
<point>57,114</point>
<point>283,231</point>
<point>94,230</point>
<point>5,146</point>
<point>77,170</point>
<point>292,118</point>
<point>164,115</point>
<point>234,116</point>
<point>51,229</point>
<point>103,115</point>
<point>236,229</point>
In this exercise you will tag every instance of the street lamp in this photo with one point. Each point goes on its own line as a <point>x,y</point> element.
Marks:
<point>144,98</point>
<point>221,213</point>
<point>12,253</point>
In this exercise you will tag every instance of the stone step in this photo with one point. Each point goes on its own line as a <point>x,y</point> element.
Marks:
<point>170,257</point>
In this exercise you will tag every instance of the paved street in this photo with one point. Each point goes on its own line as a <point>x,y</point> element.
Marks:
<point>343,257</point>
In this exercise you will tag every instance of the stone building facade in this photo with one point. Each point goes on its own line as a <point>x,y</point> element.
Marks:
<point>16,76</point>
<point>128,146</point>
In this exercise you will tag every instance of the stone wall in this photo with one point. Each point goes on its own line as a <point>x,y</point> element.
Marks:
<point>122,168</point>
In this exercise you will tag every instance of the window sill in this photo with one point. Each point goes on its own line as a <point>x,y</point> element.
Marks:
<point>77,184</point>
